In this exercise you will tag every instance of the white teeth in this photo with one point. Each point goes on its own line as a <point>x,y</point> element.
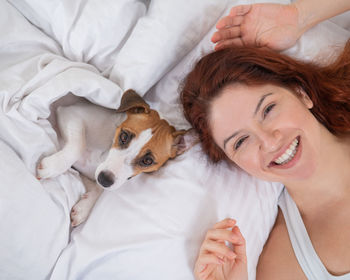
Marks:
<point>288,154</point>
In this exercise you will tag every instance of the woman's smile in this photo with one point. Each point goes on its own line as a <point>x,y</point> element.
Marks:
<point>289,157</point>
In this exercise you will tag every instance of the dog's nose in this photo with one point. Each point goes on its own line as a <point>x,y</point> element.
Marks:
<point>106,178</point>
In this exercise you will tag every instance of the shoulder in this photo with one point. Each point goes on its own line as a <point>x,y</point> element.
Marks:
<point>277,260</point>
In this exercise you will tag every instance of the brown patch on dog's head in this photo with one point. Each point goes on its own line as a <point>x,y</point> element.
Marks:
<point>166,142</point>
<point>157,150</point>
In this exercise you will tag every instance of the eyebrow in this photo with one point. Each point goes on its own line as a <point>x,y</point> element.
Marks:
<point>255,112</point>
<point>229,138</point>
<point>261,102</point>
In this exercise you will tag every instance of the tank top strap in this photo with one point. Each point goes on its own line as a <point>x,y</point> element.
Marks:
<point>301,243</point>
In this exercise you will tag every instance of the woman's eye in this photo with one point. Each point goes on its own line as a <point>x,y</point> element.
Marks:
<point>240,142</point>
<point>147,161</point>
<point>123,138</point>
<point>268,109</point>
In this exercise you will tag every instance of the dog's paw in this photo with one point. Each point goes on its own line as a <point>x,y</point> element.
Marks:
<point>81,210</point>
<point>52,166</point>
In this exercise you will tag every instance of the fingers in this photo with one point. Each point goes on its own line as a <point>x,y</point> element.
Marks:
<point>220,234</point>
<point>229,21</point>
<point>228,43</point>
<point>235,17</point>
<point>215,238</point>
<point>217,248</point>
<point>229,28</point>
<point>240,245</point>
<point>207,259</point>
<point>205,265</point>
<point>213,248</point>
<point>224,34</point>
<point>227,223</point>
<point>240,10</point>
<point>213,251</point>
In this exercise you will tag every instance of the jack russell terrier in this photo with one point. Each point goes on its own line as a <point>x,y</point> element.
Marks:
<point>111,146</point>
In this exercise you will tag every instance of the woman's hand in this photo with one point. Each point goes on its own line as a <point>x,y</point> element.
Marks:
<point>275,26</point>
<point>216,261</point>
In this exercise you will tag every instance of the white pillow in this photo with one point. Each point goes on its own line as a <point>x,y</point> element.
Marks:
<point>133,42</point>
<point>88,31</point>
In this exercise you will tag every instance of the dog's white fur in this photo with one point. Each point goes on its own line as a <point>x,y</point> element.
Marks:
<point>119,162</point>
<point>87,132</point>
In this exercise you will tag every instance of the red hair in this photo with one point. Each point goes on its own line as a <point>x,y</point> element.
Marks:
<point>327,86</point>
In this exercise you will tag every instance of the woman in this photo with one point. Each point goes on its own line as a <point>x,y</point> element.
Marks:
<point>279,120</point>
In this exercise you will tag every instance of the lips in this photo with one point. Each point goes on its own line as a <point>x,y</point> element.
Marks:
<point>288,157</point>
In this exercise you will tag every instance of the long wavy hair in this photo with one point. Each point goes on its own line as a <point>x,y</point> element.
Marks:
<point>327,86</point>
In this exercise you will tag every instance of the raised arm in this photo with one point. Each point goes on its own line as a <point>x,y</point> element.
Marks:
<point>312,12</point>
<point>275,26</point>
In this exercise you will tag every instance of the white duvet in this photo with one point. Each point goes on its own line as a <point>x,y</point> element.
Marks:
<point>152,227</point>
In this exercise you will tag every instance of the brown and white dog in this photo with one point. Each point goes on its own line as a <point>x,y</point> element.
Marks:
<point>111,146</point>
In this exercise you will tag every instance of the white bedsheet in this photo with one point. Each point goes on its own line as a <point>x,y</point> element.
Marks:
<point>152,227</point>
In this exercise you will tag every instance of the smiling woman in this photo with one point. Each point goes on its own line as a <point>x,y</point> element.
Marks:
<point>283,120</point>
<point>328,87</point>
<point>261,137</point>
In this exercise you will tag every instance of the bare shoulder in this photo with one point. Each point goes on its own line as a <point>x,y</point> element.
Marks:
<point>277,260</point>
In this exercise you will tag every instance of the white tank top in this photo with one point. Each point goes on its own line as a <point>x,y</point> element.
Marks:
<point>302,246</point>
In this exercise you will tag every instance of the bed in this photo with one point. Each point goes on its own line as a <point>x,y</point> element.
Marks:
<point>151,228</point>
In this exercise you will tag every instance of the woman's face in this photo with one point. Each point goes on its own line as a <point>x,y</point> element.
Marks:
<point>266,130</point>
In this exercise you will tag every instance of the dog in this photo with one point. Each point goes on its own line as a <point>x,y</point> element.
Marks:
<point>110,147</point>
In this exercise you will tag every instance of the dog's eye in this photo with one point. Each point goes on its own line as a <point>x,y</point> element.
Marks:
<point>146,161</point>
<point>123,138</point>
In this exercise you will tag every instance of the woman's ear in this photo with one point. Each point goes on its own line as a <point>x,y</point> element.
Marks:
<point>306,99</point>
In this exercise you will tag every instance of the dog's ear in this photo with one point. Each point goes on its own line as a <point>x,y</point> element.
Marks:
<point>183,141</point>
<point>133,103</point>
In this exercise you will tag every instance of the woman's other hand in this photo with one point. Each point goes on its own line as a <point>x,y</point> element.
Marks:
<point>274,26</point>
<point>216,260</point>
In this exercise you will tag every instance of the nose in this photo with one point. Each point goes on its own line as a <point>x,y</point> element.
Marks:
<point>270,140</point>
<point>105,178</point>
